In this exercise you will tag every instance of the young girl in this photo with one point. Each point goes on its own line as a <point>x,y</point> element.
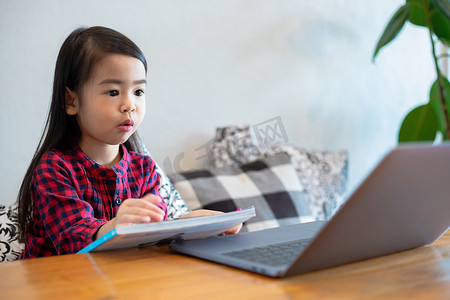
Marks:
<point>87,175</point>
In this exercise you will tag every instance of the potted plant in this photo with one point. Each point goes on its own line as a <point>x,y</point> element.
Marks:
<point>425,121</point>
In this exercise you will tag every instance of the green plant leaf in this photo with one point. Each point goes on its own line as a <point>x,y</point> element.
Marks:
<point>417,13</point>
<point>443,6</point>
<point>420,124</point>
<point>436,104</point>
<point>440,25</point>
<point>392,28</point>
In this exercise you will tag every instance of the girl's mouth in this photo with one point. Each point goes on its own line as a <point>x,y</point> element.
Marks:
<point>127,126</point>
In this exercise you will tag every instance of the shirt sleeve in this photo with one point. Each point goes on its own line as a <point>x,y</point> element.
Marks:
<point>69,221</point>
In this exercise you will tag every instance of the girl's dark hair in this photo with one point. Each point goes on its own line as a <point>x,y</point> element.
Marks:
<point>83,49</point>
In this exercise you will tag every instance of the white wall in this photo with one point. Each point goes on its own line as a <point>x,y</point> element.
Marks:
<point>215,63</point>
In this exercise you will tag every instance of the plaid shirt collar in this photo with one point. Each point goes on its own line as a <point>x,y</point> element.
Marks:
<point>98,170</point>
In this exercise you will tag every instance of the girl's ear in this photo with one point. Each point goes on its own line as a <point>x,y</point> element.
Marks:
<point>71,100</point>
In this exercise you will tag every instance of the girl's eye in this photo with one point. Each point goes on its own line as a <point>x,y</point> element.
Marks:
<point>139,93</point>
<point>113,93</point>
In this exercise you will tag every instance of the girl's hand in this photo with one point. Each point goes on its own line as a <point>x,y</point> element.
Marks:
<point>133,210</point>
<point>207,212</point>
<point>143,210</point>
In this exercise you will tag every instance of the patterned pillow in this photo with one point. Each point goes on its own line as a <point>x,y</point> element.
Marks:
<point>234,145</point>
<point>323,174</point>
<point>270,185</point>
<point>10,248</point>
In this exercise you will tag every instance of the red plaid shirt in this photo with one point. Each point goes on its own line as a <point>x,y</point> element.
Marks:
<point>74,196</point>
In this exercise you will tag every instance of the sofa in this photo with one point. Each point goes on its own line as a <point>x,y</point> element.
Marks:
<point>286,184</point>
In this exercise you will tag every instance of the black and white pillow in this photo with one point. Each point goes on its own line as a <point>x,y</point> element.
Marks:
<point>10,248</point>
<point>323,174</point>
<point>269,184</point>
<point>234,145</point>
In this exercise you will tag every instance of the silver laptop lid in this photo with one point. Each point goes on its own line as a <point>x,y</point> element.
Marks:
<point>404,203</point>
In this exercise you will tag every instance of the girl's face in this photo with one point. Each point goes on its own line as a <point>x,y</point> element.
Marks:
<point>111,105</point>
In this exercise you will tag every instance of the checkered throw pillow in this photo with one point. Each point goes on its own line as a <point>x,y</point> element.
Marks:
<point>270,185</point>
<point>323,174</point>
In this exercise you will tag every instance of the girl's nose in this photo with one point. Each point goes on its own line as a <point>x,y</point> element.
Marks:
<point>128,106</point>
<point>129,109</point>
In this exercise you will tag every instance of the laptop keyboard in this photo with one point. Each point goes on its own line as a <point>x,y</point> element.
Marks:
<point>272,255</point>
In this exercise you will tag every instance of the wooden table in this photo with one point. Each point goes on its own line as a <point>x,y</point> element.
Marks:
<point>156,273</point>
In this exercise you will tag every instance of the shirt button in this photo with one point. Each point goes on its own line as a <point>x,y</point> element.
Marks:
<point>117,201</point>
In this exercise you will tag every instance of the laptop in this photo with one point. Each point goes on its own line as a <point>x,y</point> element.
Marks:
<point>404,203</point>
